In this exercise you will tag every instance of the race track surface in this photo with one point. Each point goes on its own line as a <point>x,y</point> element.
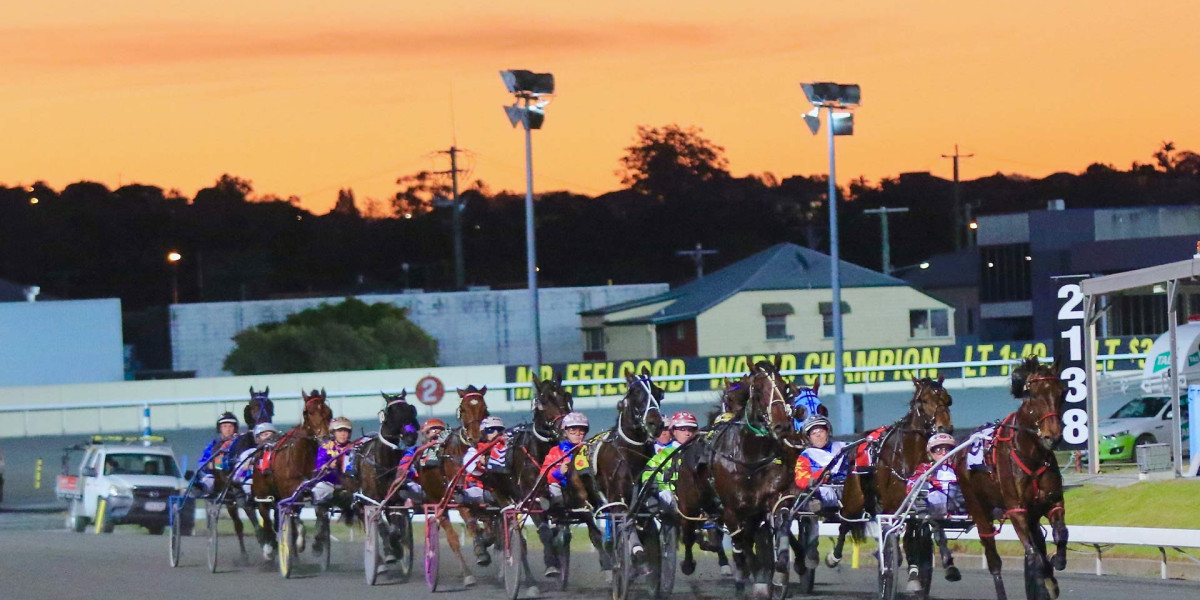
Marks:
<point>131,565</point>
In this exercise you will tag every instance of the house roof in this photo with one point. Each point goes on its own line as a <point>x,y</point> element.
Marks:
<point>949,270</point>
<point>783,266</point>
<point>11,292</point>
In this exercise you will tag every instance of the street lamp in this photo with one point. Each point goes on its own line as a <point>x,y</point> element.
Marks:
<point>832,96</point>
<point>530,96</point>
<point>174,257</point>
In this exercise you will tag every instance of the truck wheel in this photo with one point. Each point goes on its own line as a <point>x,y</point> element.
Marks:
<point>75,521</point>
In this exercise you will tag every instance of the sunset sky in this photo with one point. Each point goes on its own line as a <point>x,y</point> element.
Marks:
<point>304,97</point>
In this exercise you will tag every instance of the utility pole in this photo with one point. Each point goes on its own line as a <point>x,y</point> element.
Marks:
<point>958,211</point>
<point>883,212</point>
<point>456,206</point>
<point>697,256</point>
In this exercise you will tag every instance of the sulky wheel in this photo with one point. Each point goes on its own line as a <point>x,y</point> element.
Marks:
<point>213,513</point>
<point>889,567</point>
<point>176,505</point>
<point>371,544</point>
<point>432,548</point>
<point>287,544</point>
<point>400,537</point>
<point>514,556</point>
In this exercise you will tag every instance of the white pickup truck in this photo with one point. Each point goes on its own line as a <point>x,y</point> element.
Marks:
<point>120,480</point>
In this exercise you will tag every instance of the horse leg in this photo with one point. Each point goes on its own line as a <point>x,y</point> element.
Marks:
<point>476,530</point>
<point>456,547</point>
<point>596,536</point>
<point>1048,579</point>
<point>1058,524</point>
<point>232,509</point>
<point>835,555</point>
<point>1035,563</point>
<point>322,536</point>
<point>939,536</point>
<point>687,534</point>
<point>722,559</point>
<point>912,556</point>
<point>742,542</point>
<point>268,532</point>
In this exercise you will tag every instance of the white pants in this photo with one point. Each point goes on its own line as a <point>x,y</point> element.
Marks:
<point>206,481</point>
<point>830,496</point>
<point>322,491</point>
<point>473,495</point>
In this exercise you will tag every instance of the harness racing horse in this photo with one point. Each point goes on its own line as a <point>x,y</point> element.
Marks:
<point>881,488</point>
<point>528,445</point>
<point>748,467</point>
<point>375,459</point>
<point>1024,483</point>
<point>614,458</point>
<point>435,477</point>
<point>288,464</point>
<point>259,409</point>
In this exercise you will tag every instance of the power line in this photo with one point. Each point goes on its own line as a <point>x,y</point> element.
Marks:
<point>958,212</point>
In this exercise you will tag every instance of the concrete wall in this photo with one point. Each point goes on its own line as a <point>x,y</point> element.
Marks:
<point>71,341</point>
<point>224,393</point>
<point>878,317</point>
<point>629,341</point>
<point>472,328</point>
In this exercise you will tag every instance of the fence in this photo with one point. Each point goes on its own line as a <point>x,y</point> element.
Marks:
<point>135,414</point>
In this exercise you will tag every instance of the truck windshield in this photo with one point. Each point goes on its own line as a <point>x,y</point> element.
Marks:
<point>1141,408</point>
<point>140,464</point>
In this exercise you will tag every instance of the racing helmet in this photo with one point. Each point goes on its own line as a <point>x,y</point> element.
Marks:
<point>227,417</point>
<point>262,428</point>
<point>816,421</point>
<point>341,423</point>
<point>431,423</point>
<point>575,419</point>
<point>940,439</point>
<point>684,418</point>
<point>490,422</point>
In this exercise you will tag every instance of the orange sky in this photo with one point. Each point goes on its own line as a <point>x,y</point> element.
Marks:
<point>305,96</point>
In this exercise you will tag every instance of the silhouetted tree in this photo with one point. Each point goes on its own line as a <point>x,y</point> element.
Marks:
<point>345,204</point>
<point>672,161</point>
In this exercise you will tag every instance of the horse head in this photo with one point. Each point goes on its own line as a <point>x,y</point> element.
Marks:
<point>551,402</point>
<point>640,409</point>
<point>471,411</point>
<point>803,392</point>
<point>735,394</point>
<point>769,400</point>
<point>260,409</point>
<point>398,419</point>
<point>929,409</point>
<point>1042,392</point>
<point>317,414</point>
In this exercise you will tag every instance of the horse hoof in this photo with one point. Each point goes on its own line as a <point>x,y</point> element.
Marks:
<point>799,567</point>
<point>1059,562</point>
<point>760,590</point>
<point>726,571</point>
<point>469,581</point>
<point>952,573</point>
<point>688,567</point>
<point>1052,588</point>
<point>913,587</point>
<point>532,592</point>
<point>832,561</point>
<point>484,559</point>
<point>608,577</point>
<point>268,552</point>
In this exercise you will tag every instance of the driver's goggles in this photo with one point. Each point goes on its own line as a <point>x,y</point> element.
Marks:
<point>493,430</point>
<point>688,428</point>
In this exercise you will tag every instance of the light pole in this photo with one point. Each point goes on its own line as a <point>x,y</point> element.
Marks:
<point>174,257</point>
<point>529,90</point>
<point>832,96</point>
<point>883,213</point>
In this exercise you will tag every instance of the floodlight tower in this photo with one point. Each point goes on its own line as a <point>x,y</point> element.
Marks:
<point>531,92</point>
<point>832,96</point>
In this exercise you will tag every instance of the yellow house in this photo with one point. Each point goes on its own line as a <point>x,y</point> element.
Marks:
<point>778,300</point>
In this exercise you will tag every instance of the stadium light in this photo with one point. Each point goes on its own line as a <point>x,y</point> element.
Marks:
<point>530,96</point>
<point>836,99</point>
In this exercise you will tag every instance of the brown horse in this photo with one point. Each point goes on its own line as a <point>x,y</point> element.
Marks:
<point>615,457</point>
<point>434,478</point>
<point>291,462</point>
<point>1022,482</point>
<point>882,487</point>
<point>528,445</point>
<point>259,409</point>
<point>747,466</point>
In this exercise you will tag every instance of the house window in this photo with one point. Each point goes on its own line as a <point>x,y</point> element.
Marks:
<point>928,323</point>
<point>826,310</point>
<point>593,340</point>
<point>776,315</point>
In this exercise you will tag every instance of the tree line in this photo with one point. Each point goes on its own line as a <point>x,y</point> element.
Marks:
<point>88,241</point>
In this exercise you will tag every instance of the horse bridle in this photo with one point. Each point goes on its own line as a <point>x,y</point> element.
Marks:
<point>776,398</point>
<point>553,435</point>
<point>1031,379</point>
<point>651,404</point>
<point>462,430</point>
<point>928,421</point>
<point>383,415</point>
<point>263,409</point>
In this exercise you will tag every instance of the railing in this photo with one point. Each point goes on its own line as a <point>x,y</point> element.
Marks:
<point>921,368</point>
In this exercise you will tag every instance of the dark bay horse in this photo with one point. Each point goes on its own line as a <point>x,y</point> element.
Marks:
<point>881,488</point>
<point>434,478</point>
<point>259,409</point>
<point>614,458</point>
<point>528,445</point>
<point>289,463</point>
<point>748,467</point>
<point>1024,483</point>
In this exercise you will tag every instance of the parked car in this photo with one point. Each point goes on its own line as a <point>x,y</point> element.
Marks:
<point>1143,420</point>
<point>120,480</point>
